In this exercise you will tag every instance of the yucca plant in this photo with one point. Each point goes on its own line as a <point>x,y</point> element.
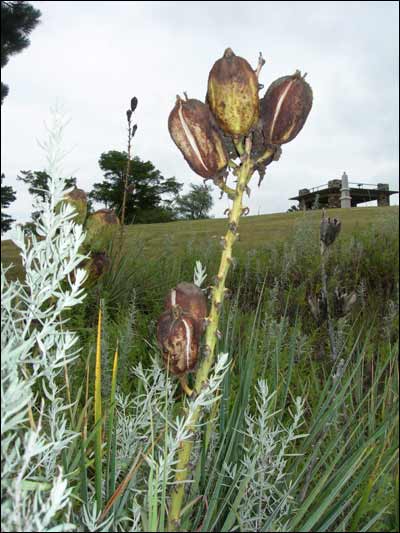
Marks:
<point>233,124</point>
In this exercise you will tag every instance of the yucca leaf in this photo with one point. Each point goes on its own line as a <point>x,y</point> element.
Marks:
<point>112,436</point>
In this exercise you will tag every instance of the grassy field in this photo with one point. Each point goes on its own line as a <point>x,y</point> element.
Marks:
<point>255,231</point>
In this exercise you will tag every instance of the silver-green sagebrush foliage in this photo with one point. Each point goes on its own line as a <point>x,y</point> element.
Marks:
<point>36,348</point>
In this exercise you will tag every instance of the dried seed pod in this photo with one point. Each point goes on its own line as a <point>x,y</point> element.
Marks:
<point>195,132</point>
<point>191,301</point>
<point>233,94</point>
<point>178,340</point>
<point>329,230</point>
<point>342,301</point>
<point>98,222</point>
<point>78,199</point>
<point>98,264</point>
<point>134,103</point>
<point>285,108</point>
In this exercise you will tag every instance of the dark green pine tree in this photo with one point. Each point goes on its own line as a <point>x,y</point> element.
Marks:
<point>7,197</point>
<point>150,196</point>
<point>18,20</point>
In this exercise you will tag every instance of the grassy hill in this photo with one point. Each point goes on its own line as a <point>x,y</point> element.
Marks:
<point>255,231</point>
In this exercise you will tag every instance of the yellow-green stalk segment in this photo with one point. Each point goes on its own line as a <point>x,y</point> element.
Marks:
<point>111,430</point>
<point>244,174</point>
<point>185,386</point>
<point>97,415</point>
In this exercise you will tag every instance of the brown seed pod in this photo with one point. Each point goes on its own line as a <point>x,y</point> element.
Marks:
<point>285,108</point>
<point>191,301</point>
<point>233,94</point>
<point>98,264</point>
<point>177,337</point>
<point>194,131</point>
<point>329,230</point>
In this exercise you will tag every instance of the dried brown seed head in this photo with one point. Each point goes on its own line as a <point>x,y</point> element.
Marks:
<point>329,230</point>
<point>194,131</point>
<point>178,340</point>
<point>191,301</point>
<point>285,108</point>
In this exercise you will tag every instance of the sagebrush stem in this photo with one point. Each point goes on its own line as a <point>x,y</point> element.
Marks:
<point>244,175</point>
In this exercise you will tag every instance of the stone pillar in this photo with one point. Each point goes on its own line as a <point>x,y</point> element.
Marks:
<point>383,196</point>
<point>334,187</point>
<point>302,202</point>
<point>345,198</point>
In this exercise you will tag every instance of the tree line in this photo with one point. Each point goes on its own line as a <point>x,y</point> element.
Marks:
<point>150,197</point>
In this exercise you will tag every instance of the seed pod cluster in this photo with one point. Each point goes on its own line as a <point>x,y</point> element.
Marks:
<point>180,327</point>
<point>208,133</point>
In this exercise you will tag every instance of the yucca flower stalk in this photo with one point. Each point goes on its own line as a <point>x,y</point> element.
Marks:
<point>235,107</point>
<point>131,134</point>
<point>329,230</point>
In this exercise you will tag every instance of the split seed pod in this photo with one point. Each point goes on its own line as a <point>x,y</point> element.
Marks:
<point>179,342</point>
<point>233,94</point>
<point>285,108</point>
<point>191,301</point>
<point>78,199</point>
<point>194,131</point>
<point>329,230</point>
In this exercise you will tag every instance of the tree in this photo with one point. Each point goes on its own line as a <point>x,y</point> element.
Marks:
<point>8,196</point>
<point>146,189</point>
<point>196,204</point>
<point>38,183</point>
<point>18,20</point>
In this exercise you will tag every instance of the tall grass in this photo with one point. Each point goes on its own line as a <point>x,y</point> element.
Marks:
<point>251,470</point>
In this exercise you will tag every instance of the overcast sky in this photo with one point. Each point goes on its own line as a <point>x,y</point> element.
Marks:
<point>92,57</point>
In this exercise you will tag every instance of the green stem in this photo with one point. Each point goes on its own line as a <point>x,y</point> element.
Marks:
<point>228,190</point>
<point>244,175</point>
